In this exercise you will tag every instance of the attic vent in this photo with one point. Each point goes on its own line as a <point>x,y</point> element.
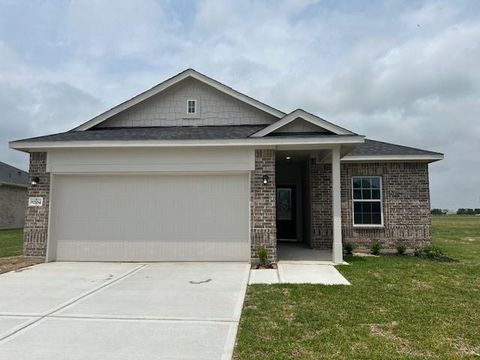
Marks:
<point>191,106</point>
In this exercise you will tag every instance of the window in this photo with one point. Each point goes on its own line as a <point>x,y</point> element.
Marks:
<point>191,106</point>
<point>367,200</point>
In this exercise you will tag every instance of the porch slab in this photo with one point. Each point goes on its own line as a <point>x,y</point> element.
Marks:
<point>263,276</point>
<point>310,274</point>
<point>298,274</point>
<point>295,252</point>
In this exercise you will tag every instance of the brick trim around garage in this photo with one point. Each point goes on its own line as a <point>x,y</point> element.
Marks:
<point>263,227</point>
<point>35,232</point>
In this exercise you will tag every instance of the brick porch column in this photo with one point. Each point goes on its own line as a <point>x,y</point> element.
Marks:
<point>263,226</point>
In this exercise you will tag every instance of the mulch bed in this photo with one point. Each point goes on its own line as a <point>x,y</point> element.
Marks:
<point>264,266</point>
<point>15,263</point>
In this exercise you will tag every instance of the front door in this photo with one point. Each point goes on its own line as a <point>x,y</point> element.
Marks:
<point>286,213</point>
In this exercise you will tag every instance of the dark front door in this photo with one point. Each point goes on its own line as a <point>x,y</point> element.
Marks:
<point>286,213</point>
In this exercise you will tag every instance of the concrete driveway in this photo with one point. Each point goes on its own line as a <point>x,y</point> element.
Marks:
<point>121,310</point>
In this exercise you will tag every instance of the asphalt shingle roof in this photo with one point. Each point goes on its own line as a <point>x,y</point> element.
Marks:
<point>12,175</point>
<point>155,133</point>
<point>369,148</point>
<point>374,147</point>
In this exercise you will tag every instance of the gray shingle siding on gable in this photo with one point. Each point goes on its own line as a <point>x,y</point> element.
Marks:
<point>170,109</point>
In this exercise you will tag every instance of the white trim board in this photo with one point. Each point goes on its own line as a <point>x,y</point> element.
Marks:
<point>255,142</point>
<point>302,114</point>
<point>189,73</point>
<point>426,157</point>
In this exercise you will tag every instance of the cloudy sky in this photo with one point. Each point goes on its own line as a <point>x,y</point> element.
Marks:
<point>406,72</point>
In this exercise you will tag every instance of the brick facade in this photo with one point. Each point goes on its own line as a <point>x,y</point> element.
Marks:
<point>36,218</point>
<point>263,210</point>
<point>406,205</point>
<point>321,206</point>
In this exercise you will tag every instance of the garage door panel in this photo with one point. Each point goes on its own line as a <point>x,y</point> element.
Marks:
<point>151,218</point>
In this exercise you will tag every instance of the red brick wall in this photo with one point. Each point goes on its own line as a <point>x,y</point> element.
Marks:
<point>36,218</point>
<point>406,205</point>
<point>263,210</point>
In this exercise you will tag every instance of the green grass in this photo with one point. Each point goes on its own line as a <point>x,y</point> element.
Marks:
<point>11,242</point>
<point>396,308</point>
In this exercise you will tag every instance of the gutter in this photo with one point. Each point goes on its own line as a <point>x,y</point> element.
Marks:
<point>372,158</point>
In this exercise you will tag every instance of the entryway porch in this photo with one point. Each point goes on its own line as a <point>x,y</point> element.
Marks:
<point>300,253</point>
<point>308,205</point>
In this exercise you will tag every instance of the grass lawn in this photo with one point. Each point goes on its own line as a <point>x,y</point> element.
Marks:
<point>396,308</point>
<point>11,242</point>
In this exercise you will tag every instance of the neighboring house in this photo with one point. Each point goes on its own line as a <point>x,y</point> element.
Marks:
<point>192,170</point>
<point>13,196</point>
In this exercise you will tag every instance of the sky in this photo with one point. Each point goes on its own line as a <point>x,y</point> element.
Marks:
<point>406,72</point>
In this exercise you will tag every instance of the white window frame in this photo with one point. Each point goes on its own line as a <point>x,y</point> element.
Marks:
<point>195,102</point>
<point>381,225</point>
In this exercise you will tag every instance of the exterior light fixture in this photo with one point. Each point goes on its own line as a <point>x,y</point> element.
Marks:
<point>287,157</point>
<point>265,179</point>
<point>35,180</point>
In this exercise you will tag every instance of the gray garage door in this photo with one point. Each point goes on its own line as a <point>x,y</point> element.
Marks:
<point>150,218</point>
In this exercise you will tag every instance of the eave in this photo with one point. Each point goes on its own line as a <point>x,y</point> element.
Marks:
<point>301,142</point>
<point>393,158</point>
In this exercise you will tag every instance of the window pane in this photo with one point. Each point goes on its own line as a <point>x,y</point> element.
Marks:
<point>376,218</point>
<point>357,207</point>
<point>367,218</point>
<point>367,213</point>
<point>376,194</point>
<point>367,207</point>
<point>365,182</point>
<point>191,106</point>
<point>357,218</point>
<point>357,194</point>
<point>375,181</point>
<point>357,182</point>
<point>366,194</point>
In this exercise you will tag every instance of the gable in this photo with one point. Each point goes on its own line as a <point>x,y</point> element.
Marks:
<point>298,121</point>
<point>171,83</point>
<point>169,108</point>
<point>300,125</point>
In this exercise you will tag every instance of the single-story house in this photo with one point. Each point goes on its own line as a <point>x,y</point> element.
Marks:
<point>193,170</point>
<point>13,196</point>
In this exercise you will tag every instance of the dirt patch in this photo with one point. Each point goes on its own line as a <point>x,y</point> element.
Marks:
<point>17,263</point>
<point>402,345</point>
<point>463,348</point>
<point>421,285</point>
